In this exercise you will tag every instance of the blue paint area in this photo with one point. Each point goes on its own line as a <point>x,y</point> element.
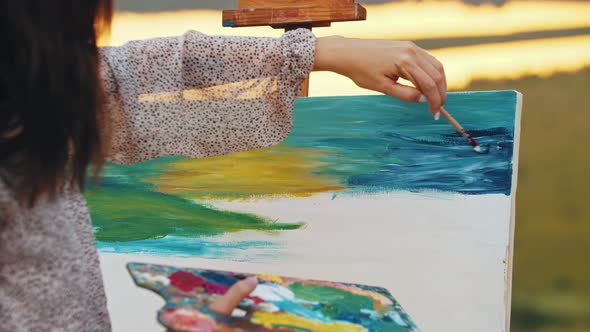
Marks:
<point>172,246</point>
<point>369,144</point>
<point>225,280</point>
<point>274,294</point>
<point>228,24</point>
<point>380,144</point>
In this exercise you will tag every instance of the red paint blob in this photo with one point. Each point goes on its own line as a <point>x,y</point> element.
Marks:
<point>212,288</point>
<point>185,281</point>
<point>255,299</point>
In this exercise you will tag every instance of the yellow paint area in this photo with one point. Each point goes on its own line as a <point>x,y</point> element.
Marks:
<point>262,172</point>
<point>280,319</point>
<point>270,278</point>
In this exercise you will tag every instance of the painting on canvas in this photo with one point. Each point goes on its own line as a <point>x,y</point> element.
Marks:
<point>366,189</point>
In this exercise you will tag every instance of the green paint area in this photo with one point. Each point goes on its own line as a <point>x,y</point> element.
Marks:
<point>339,304</point>
<point>123,209</point>
<point>340,301</point>
<point>152,215</point>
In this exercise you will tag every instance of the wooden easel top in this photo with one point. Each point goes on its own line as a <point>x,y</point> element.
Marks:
<point>293,14</point>
<point>285,14</point>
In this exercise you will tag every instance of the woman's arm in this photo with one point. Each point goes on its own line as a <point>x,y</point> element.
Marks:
<point>377,64</point>
<point>198,95</point>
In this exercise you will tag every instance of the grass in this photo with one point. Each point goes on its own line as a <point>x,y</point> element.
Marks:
<point>146,213</point>
<point>551,286</point>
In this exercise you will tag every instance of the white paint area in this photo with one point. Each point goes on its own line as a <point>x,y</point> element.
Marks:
<point>273,293</point>
<point>442,256</point>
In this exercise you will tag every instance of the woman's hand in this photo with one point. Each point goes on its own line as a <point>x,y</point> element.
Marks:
<point>225,304</point>
<point>377,65</point>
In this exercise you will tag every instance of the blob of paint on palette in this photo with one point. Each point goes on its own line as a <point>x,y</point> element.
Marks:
<point>277,304</point>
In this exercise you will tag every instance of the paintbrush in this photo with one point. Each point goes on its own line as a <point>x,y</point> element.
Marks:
<point>476,147</point>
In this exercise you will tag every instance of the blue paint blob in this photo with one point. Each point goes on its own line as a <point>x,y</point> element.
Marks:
<point>173,246</point>
<point>226,280</point>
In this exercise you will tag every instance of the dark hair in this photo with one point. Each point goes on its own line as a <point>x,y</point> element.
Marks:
<point>50,93</point>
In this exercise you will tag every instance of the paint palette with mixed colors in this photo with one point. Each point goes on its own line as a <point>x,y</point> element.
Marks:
<point>278,303</point>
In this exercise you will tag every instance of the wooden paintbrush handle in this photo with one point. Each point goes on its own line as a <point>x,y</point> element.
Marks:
<point>453,122</point>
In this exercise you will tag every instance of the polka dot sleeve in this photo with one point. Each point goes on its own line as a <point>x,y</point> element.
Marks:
<point>198,95</point>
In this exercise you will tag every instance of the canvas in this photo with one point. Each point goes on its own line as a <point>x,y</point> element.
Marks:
<point>367,189</point>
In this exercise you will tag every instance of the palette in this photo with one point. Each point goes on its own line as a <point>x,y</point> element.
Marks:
<point>278,303</point>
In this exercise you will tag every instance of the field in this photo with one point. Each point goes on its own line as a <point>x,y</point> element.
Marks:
<point>552,251</point>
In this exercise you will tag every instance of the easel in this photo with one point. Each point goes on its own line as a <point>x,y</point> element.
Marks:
<point>293,14</point>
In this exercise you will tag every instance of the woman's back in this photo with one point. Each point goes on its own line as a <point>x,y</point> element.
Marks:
<point>50,278</point>
<point>49,270</point>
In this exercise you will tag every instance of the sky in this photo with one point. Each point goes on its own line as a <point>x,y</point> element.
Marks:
<point>166,5</point>
<point>519,38</point>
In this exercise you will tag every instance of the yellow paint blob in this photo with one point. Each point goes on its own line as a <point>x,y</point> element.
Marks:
<point>278,320</point>
<point>270,278</point>
<point>251,174</point>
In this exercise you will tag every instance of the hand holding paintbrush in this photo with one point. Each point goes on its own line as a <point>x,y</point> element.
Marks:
<point>476,147</point>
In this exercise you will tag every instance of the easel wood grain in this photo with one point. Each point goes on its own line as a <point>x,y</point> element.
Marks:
<point>302,16</point>
<point>290,3</point>
<point>293,14</point>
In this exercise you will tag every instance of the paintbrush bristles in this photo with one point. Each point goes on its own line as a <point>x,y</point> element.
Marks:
<point>476,147</point>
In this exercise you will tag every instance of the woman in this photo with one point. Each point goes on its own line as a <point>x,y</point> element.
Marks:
<point>66,104</point>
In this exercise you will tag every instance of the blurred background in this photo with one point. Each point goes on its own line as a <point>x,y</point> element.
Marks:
<point>540,48</point>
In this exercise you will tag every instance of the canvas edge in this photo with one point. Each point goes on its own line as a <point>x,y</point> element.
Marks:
<point>510,248</point>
